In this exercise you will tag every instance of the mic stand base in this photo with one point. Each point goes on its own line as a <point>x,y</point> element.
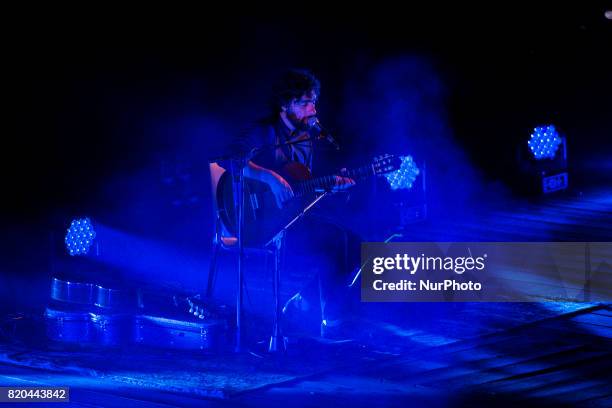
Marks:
<point>278,343</point>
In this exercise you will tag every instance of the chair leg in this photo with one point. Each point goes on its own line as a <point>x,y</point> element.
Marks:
<point>212,271</point>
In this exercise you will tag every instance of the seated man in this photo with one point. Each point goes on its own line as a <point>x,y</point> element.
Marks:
<point>313,240</point>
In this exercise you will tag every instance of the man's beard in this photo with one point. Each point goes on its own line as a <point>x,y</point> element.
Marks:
<point>300,125</point>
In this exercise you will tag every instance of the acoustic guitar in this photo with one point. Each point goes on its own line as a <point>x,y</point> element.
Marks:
<point>263,219</point>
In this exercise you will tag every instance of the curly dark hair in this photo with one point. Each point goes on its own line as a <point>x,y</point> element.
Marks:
<point>292,85</point>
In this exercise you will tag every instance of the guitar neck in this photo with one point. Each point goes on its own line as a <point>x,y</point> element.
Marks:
<point>328,182</point>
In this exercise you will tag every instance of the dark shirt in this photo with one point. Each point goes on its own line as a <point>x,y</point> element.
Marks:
<point>264,136</point>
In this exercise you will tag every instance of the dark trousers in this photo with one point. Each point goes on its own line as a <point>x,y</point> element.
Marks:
<point>330,254</point>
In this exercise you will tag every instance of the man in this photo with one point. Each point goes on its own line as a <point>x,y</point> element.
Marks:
<point>295,99</point>
<point>312,240</point>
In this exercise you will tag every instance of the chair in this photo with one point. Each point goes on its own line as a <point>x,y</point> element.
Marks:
<point>223,240</point>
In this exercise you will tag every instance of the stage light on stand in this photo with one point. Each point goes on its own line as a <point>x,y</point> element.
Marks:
<point>404,177</point>
<point>543,160</point>
<point>79,237</point>
<point>544,142</point>
<point>407,198</point>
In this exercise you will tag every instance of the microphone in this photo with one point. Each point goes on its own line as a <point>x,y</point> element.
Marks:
<point>314,123</point>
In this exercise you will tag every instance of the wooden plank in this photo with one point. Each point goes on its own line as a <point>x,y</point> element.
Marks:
<point>511,370</point>
<point>594,319</point>
<point>561,334</point>
<point>569,327</point>
<point>603,312</point>
<point>603,402</point>
<point>576,391</point>
<point>561,363</point>
<point>559,378</point>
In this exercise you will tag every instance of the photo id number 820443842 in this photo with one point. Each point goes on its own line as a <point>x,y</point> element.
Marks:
<point>31,394</point>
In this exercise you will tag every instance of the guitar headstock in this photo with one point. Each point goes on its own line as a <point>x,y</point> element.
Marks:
<point>206,309</point>
<point>400,171</point>
<point>386,163</point>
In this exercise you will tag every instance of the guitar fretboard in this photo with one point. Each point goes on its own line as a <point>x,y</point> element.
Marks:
<point>328,182</point>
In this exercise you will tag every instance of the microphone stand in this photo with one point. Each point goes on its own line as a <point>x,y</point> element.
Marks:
<point>237,164</point>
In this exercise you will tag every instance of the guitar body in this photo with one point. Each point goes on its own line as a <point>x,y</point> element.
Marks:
<point>262,217</point>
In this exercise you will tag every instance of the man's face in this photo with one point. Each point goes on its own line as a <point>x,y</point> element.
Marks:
<point>300,110</point>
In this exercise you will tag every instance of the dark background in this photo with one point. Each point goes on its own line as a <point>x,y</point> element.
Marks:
<point>116,117</point>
